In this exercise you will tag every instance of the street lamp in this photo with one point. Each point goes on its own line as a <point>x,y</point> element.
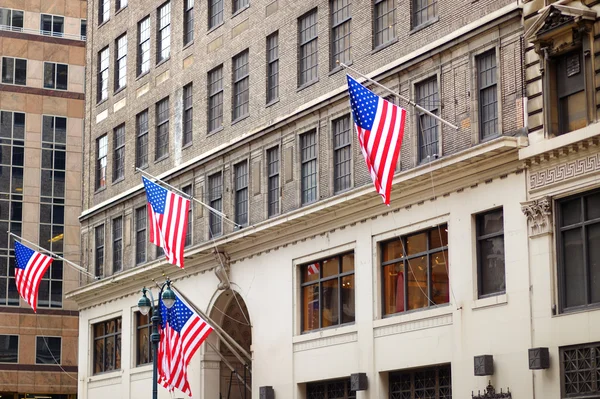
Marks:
<point>145,305</point>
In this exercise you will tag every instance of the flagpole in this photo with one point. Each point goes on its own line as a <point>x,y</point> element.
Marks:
<point>188,196</point>
<point>410,102</point>
<point>81,269</point>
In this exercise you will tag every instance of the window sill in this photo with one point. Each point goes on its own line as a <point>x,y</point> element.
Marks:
<point>491,301</point>
<point>188,45</point>
<point>239,119</point>
<point>119,90</point>
<point>163,61</point>
<point>384,45</point>
<point>105,375</point>
<point>272,102</point>
<point>101,101</point>
<point>215,131</point>
<point>119,180</point>
<point>305,85</point>
<point>424,25</point>
<point>214,28</point>
<point>157,160</point>
<point>414,315</point>
<point>103,23</point>
<point>338,68</point>
<point>120,10</point>
<point>241,10</point>
<point>142,75</point>
<point>325,332</point>
<point>140,167</point>
<point>99,190</point>
<point>186,146</point>
<point>141,368</point>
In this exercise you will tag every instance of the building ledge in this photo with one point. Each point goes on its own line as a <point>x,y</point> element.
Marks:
<point>575,139</point>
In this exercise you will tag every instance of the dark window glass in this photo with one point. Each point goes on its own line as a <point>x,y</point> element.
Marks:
<point>580,371</point>
<point>333,389</point>
<point>162,128</point>
<point>9,345</point>
<point>430,382</point>
<point>14,71</point>
<point>107,346</point>
<point>121,62</point>
<point>570,91</point>
<point>143,350</point>
<point>117,249</point>
<point>12,19</point>
<point>308,158</point>
<point>384,26</point>
<point>490,249</point>
<point>188,236</point>
<point>328,292</point>
<point>17,20</point>
<point>103,11</point>
<point>119,153</point>
<point>103,64</point>
<point>188,114</point>
<point>239,4</point>
<point>83,29</point>
<point>427,126</point>
<point>120,4</point>
<point>215,193</point>
<point>141,143</point>
<point>241,193</point>
<point>52,25</point>
<point>215,99</point>
<point>488,92</point>
<point>62,76</point>
<point>47,350</point>
<point>143,64</point>
<point>99,250</point>
<point>423,11</point>
<point>188,21</point>
<point>140,235</point>
<point>308,52</point>
<point>49,75</point>
<point>163,35</point>
<point>215,13</point>
<point>241,85</point>
<point>273,176</point>
<point>56,76</point>
<point>342,154</point>
<point>272,67</point>
<point>101,161</point>
<point>46,24</point>
<point>340,32</point>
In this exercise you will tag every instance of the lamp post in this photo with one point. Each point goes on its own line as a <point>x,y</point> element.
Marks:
<point>145,305</point>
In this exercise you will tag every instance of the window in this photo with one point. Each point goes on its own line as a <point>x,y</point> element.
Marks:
<point>188,21</point>
<point>308,51</point>
<point>342,154</point>
<point>12,19</point>
<point>162,128</point>
<point>143,63</point>
<point>14,71</point>
<point>99,236</point>
<point>241,85</point>
<point>10,348</point>
<point>334,389</point>
<point>215,13</point>
<point>272,67</point>
<point>490,251</point>
<point>103,64</point>
<point>578,221</point>
<point>83,29</point>
<point>328,292</point>
<point>423,11</point>
<point>120,4</point>
<point>47,350</point>
<point>119,157</point>
<point>414,271</point>
<point>163,36</point>
<point>140,235</point>
<point>56,76</point>
<point>427,126</point>
<point>215,99</point>
<point>239,5</point>
<point>143,350</point>
<point>117,248</point>
<point>188,114</point>
<point>488,95</point>
<point>241,193</point>
<point>188,236</point>
<point>52,25</point>
<point>340,32</point>
<point>430,382</point>
<point>580,371</point>
<point>141,142</point>
<point>103,11</point>
<point>215,193</point>
<point>384,22</point>
<point>121,62</point>
<point>571,100</point>
<point>107,346</point>
<point>273,176</point>
<point>101,161</point>
<point>308,158</point>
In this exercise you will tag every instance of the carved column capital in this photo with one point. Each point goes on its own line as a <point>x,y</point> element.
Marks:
<point>539,216</point>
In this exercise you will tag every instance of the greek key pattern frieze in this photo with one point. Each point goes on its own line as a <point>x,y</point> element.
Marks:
<point>565,171</point>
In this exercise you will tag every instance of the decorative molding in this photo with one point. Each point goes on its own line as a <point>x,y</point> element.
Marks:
<point>414,325</point>
<point>211,364</point>
<point>99,383</point>
<point>222,269</point>
<point>539,216</point>
<point>565,171</point>
<point>327,341</point>
<point>38,367</point>
<point>42,92</point>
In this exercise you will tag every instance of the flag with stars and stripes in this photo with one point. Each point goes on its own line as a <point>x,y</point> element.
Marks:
<point>30,268</point>
<point>182,332</point>
<point>380,128</point>
<point>168,216</point>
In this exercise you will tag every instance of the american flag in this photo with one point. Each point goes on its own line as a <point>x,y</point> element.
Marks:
<point>182,332</point>
<point>30,268</point>
<point>313,268</point>
<point>380,128</point>
<point>168,215</point>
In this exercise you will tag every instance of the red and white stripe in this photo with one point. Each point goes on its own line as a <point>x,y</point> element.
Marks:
<point>313,268</point>
<point>28,280</point>
<point>168,230</point>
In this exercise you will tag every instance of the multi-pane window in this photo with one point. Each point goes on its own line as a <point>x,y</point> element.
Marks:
<point>308,52</point>
<point>14,71</point>
<point>431,382</point>
<point>578,248</point>
<point>342,154</point>
<point>163,36</point>
<point>99,245</point>
<point>340,32</point>
<point>107,346</point>
<point>488,95</point>
<point>188,114</point>
<point>121,62</point>
<point>143,55</point>
<point>272,67</point>
<point>308,159</point>
<point>143,330</point>
<point>273,183</point>
<point>12,151</point>
<point>333,389</point>
<point>328,292</point>
<point>215,13</point>
<point>570,99</point>
<point>47,350</point>
<point>119,4</point>
<point>101,161</point>
<point>117,244</point>
<point>56,76</point>
<point>423,11</point>
<point>11,19</point>
<point>241,193</point>
<point>162,128</point>
<point>141,141</point>
<point>384,26</point>
<point>52,25</point>
<point>140,235</point>
<point>415,271</point>
<point>580,371</point>
<point>103,11</point>
<point>215,99</point>
<point>10,348</point>
<point>188,21</point>
<point>188,234</point>
<point>83,29</point>
<point>490,253</point>
<point>427,125</point>
<point>102,80</point>
<point>119,153</point>
<point>239,5</point>
<point>241,85</point>
<point>215,196</point>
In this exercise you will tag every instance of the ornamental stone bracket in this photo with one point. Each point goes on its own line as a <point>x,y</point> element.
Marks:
<point>222,269</point>
<point>539,216</point>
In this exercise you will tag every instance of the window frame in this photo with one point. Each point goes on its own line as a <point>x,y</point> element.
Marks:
<point>272,78</point>
<point>18,351</point>
<point>140,327</point>
<point>241,176</point>
<point>101,158</point>
<point>55,74</point>
<point>188,21</point>
<point>119,134</point>
<point>120,62</point>
<point>144,34</point>
<point>48,347</point>
<point>163,32</point>
<point>82,24</point>
<point>99,249</point>
<point>14,71</point>
<point>493,87</point>
<point>238,6</point>
<point>118,335</point>
<point>240,76</point>
<point>214,199</point>
<point>120,4</point>
<point>141,138</point>
<point>188,114</point>
<point>303,47</point>
<point>435,109</point>
<point>162,129</point>
<point>479,238</point>
<point>188,189</point>
<point>305,161</point>
<point>337,150</point>
<point>215,99</point>
<point>12,26</point>
<point>103,11</point>
<point>273,175</point>
<point>52,32</point>
<point>117,251</point>
<point>142,210</point>
<point>102,72</point>
<point>348,393</point>
<point>414,11</point>
<point>334,29</point>
<point>413,372</point>
<point>376,16</point>
<point>215,19</point>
